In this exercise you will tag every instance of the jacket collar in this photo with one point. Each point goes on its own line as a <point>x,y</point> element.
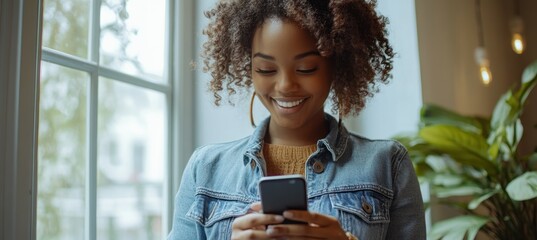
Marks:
<point>335,142</point>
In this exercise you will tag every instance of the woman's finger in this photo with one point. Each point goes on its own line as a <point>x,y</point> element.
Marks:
<point>254,220</point>
<point>296,231</point>
<point>290,231</point>
<point>249,234</point>
<point>311,217</point>
<point>256,207</point>
<point>319,226</point>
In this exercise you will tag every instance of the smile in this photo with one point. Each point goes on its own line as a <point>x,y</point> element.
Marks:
<point>288,104</point>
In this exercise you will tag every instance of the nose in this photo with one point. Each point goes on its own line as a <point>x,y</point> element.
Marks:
<point>286,82</point>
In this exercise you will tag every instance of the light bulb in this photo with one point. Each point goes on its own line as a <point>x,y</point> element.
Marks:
<point>517,31</point>
<point>486,75</point>
<point>483,62</point>
<point>517,42</point>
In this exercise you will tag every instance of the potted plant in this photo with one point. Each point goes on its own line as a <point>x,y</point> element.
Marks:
<point>477,158</point>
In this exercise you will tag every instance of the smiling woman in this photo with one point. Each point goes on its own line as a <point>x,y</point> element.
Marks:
<point>294,55</point>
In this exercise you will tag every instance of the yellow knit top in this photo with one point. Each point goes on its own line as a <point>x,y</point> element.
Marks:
<point>285,160</point>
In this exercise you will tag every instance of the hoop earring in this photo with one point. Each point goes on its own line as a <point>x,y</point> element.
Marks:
<point>252,111</point>
<point>340,116</point>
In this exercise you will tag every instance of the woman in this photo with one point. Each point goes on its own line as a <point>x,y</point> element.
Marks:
<point>296,54</point>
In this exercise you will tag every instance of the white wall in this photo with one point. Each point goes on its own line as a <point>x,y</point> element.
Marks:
<point>215,124</point>
<point>394,110</point>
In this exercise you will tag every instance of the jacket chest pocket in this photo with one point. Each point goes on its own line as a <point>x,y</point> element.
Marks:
<point>365,213</point>
<point>215,213</point>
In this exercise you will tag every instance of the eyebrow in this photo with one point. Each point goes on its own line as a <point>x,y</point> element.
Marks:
<point>297,57</point>
<point>303,55</point>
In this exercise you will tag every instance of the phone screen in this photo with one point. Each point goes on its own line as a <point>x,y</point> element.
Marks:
<point>280,193</point>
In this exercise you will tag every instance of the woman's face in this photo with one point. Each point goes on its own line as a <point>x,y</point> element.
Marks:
<point>290,77</point>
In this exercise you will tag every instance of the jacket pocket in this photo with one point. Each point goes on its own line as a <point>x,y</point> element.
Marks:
<point>210,208</point>
<point>365,213</point>
<point>366,205</point>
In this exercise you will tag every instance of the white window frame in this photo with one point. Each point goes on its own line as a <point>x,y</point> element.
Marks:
<point>20,45</point>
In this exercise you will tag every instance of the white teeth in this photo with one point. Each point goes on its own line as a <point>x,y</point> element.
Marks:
<point>289,104</point>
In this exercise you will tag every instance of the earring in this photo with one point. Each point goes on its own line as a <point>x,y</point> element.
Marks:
<point>252,111</point>
<point>340,116</point>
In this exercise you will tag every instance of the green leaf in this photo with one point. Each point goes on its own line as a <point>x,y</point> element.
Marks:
<point>422,169</point>
<point>494,150</point>
<point>514,133</point>
<point>477,201</point>
<point>530,73</point>
<point>501,111</point>
<point>523,187</point>
<point>463,190</point>
<point>454,235</point>
<point>456,228</point>
<point>466,148</point>
<point>522,94</point>
<point>437,163</point>
<point>415,145</point>
<point>511,104</point>
<point>435,115</point>
<point>472,233</point>
<point>447,180</point>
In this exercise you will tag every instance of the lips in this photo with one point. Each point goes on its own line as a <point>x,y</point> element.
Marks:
<point>289,104</point>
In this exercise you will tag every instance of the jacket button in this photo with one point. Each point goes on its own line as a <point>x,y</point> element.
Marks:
<point>318,167</point>
<point>253,164</point>
<point>367,207</point>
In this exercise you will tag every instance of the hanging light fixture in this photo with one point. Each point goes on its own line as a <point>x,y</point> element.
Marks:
<point>517,31</point>
<point>484,65</point>
<point>480,52</point>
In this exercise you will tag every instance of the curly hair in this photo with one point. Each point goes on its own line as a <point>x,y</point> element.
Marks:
<point>349,32</point>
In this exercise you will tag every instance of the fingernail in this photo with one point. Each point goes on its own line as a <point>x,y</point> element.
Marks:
<point>271,231</point>
<point>279,218</point>
<point>288,214</point>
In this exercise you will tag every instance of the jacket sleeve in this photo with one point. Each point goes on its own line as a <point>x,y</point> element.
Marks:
<point>184,227</point>
<point>407,216</point>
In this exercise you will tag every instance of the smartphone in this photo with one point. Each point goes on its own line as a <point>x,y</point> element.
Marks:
<point>280,193</point>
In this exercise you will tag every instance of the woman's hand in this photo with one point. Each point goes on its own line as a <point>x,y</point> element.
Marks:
<point>252,225</point>
<point>319,227</point>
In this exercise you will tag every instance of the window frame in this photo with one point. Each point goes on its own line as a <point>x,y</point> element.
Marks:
<point>20,43</point>
<point>20,38</point>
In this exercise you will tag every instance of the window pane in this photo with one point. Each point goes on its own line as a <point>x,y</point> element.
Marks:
<point>61,153</point>
<point>66,26</point>
<point>132,152</point>
<point>132,37</point>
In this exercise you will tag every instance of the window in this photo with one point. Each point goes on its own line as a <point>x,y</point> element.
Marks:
<point>105,120</point>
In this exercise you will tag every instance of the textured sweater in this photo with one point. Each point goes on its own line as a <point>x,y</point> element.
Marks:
<point>285,160</point>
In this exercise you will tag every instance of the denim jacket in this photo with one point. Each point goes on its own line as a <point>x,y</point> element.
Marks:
<point>368,185</point>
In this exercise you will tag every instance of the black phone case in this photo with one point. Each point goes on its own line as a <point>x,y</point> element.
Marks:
<point>283,193</point>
